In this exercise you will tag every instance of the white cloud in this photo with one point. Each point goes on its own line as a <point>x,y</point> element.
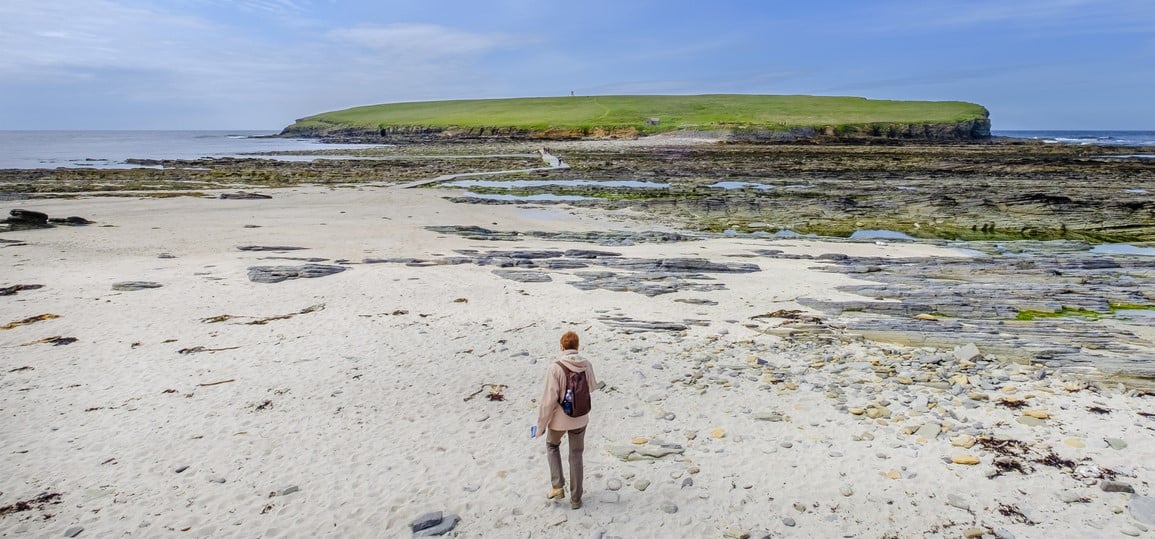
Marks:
<point>219,75</point>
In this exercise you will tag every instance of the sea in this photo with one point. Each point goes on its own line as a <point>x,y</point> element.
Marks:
<point>1086,138</point>
<point>111,149</point>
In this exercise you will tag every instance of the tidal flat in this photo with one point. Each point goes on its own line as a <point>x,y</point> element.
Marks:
<point>994,191</point>
<point>184,357</point>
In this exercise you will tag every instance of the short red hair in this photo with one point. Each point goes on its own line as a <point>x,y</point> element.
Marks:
<point>569,341</point>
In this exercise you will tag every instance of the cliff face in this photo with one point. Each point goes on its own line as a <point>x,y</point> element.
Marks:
<point>969,130</point>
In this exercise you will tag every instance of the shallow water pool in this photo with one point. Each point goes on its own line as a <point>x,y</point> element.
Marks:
<point>1122,249</point>
<point>880,235</point>
<point>516,184</point>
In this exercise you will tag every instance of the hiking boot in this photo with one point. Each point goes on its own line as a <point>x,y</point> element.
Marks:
<point>575,505</point>
<point>556,493</point>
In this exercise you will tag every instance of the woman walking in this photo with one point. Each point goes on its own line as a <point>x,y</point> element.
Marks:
<point>562,412</point>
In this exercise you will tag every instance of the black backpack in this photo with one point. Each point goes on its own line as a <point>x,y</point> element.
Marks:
<point>575,401</point>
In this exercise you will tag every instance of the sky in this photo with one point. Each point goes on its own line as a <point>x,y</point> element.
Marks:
<point>260,64</point>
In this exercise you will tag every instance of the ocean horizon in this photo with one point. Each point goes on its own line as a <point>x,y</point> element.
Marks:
<point>48,149</point>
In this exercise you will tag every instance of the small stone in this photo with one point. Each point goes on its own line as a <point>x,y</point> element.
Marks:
<point>640,441</point>
<point>1142,509</point>
<point>1075,442</point>
<point>217,479</point>
<point>1116,486</point>
<point>893,474</point>
<point>787,445</point>
<point>965,459</point>
<point>687,482</point>
<point>1003,533</point>
<point>788,522</point>
<point>964,441</point>
<point>1030,421</point>
<point>733,533</point>
<point>180,469</point>
<point>1037,414</point>
<point>930,431</point>
<point>129,286</point>
<point>669,507</point>
<point>642,484</point>
<point>954,500</point>
<point>610,497</point>
<point>973,533</point>
<point>967,352</point>
<point>800,507</point>
<point>960,379</point>
<point>1116,443</point>
<point>445,526</point>
<point>693,470</point>
<point>925,316</point>
<point>287,490</point>
<point>718,433</point>
<point>427,520</point>
<point>73,531</point>
<point>1068,496</point>
<point>614,484</point>
<point>1129,531</point>
<point>856,411</point>
<point>847,491</point>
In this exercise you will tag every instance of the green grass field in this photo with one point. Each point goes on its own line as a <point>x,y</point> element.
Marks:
<point>693,112</point>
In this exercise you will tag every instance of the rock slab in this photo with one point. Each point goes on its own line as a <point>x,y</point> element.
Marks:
<point>276,274</point>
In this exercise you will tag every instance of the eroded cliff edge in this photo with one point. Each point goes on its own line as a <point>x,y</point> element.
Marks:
<point>978,129</point>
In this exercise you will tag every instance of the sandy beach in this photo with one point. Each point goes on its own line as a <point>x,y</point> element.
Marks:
<point>350,404</point>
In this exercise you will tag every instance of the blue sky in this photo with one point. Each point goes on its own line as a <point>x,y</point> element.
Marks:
<point>259,64</point>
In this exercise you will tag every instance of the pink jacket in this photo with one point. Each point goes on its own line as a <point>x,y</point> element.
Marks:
<point>549,412</point>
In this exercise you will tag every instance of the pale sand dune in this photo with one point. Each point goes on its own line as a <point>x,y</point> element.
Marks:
<point>360,404</point>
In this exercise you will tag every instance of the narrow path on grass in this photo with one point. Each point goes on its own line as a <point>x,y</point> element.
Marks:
<point>554,163</point>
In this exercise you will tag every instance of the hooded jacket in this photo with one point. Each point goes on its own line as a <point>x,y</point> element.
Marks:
<point>549,412</point>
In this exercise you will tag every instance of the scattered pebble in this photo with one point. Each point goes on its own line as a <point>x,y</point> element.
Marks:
<point>285,491</point>
<point>789,522</point>
<point>1116,486</point>
<point>965,459</point>
<point>73,531</point>
<point>642,484</point>
<point>1142,509</point>
<point>669,507</point>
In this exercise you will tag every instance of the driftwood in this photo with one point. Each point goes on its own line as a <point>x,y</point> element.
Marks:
<point>494,392</point>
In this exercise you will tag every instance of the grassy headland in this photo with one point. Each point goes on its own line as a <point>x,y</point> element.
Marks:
<point>601,116</point>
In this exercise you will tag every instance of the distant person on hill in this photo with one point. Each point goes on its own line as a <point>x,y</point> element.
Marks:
<point>564,409</point>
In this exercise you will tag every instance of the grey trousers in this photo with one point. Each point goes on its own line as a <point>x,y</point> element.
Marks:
<point>577,445</point>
